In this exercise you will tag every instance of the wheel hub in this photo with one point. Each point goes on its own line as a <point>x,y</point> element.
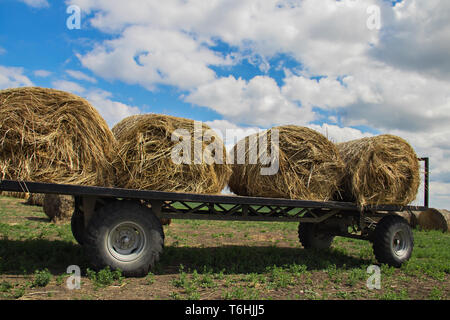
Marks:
<point>126,241</point>
<point>399,244</point>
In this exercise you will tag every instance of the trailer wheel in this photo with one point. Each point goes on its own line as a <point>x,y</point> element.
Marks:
<point>77,225</point>
<point>393,240</point>
<point>124,235</point>
<point>311,238</point>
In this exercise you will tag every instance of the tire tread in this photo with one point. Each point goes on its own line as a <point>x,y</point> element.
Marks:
<point>107,215</point>
<point>382,240</point>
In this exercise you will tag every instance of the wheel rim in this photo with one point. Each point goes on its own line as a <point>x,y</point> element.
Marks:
<point>126,241</point>
<point>400,244</point>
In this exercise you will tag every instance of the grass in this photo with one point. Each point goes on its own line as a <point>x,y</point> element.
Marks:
<point>41,278</point>
<point>105,277</point>
<point>214,260</point>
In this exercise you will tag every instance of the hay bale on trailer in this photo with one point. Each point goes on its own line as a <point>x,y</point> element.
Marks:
<point>145,157</point>
<point>121,128</point>
<point>48,135</point>
<point>310,167</point>
<point>59,208</point>
<point>379,170</point>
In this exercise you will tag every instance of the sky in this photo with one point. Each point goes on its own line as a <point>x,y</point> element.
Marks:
<point>348,68</point>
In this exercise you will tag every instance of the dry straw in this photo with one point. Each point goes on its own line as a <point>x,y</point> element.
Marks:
<point>36,199</point>
<point>411,216</point>
<point>379,170</point>
<point>310,167</point>
<point>59,208</point>
<point>435,219</point>
<point>18,195</point>
<point>145,157</point>
<point>48,135</point>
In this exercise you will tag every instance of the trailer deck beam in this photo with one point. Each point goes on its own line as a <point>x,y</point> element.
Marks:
<point>215,200</point>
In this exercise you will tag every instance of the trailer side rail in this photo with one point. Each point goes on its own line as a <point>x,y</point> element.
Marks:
<point>217,204</point>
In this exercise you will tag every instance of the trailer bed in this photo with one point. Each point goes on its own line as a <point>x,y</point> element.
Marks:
<point>122,228</point>
<point>190,205</point>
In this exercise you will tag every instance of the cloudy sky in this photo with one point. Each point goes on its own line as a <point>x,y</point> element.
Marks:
<point>348,68</point>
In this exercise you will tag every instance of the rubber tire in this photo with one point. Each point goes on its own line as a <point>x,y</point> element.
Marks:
<point>77,226</point>
<point>107,217</point>
<point>310,238</point>
<point>383,239</point>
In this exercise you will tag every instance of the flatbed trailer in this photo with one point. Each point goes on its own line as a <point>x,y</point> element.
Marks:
<point>121,228</point>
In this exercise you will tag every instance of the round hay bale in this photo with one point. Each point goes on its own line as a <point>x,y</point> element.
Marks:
<point>18,195</point>
<point>379,170</point>
<point>310,167</point>
<point>121,128</point>
<point>434,219</point>
<point>145,156</point>
<point>411,216</point>
<point>48,135</point>
<point>36,199</point>
<point>165,221</point>
<point>59,208</point>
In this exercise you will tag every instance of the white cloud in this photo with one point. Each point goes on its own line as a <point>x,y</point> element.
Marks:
<point>390,99</point>
<point>149,56</point>
<point>230,132</point>
<point>164,43</point>
<point>417,37</point>
<point>338,134</point>
<point>68,86</point>
<point>78,75</point>
<point>11,77</point>
<point>439,195</point>
<point>42,73</point>
<point>324,93</point>
<point>387,75</point>
<point>36,3</point>
<point>322,33</point>
<point>2,51</point>
<point>112,111</point>
<point>258,101</point>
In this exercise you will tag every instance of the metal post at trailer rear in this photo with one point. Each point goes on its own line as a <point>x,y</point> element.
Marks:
<point>426,191</point>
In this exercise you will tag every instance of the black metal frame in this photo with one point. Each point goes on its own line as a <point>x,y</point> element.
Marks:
<point>213,207</point>
<point>242,211</point>
<point>426,189</point>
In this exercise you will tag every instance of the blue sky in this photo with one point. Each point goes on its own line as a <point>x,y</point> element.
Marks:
<point>345,68</point>
<point>37,38</point>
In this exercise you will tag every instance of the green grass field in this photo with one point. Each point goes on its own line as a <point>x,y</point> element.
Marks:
<point>214,260</point>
